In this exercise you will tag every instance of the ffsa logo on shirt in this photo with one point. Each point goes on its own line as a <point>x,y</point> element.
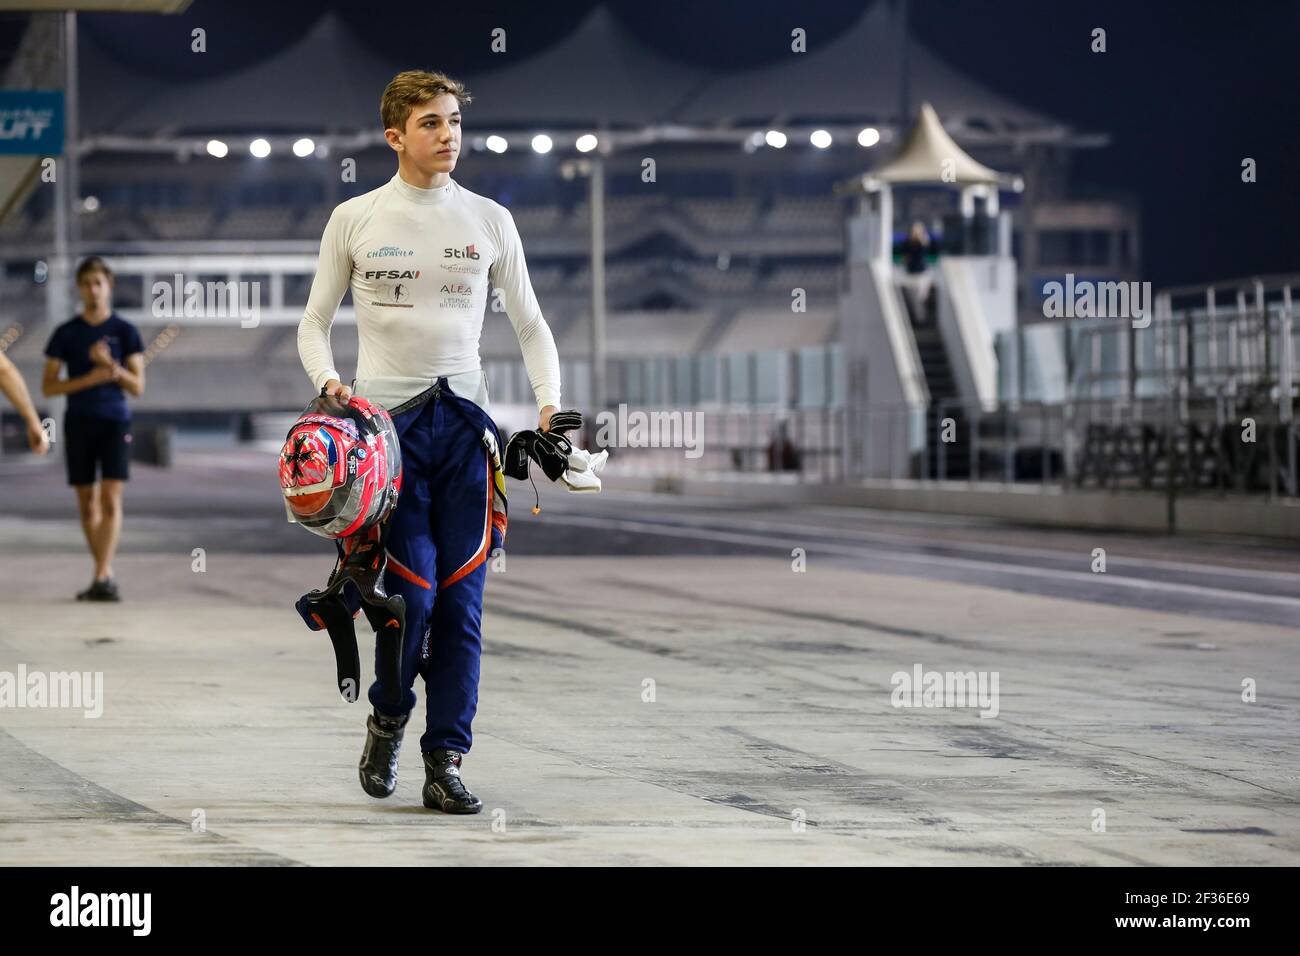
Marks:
<point>134,910</point>
<point>466,253</point>
<point>393,274</point>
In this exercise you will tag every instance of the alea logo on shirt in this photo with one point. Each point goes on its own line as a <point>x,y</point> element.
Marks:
<point>393,274</point>
<point>457,288</point>
<point>466,253</point>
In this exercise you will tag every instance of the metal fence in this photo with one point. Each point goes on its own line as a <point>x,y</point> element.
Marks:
<point>1158,444</point>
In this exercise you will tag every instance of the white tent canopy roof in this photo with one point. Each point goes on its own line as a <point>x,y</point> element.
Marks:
<point>926,154</point>
<point>328,81</point>
<point>858,74</point>
<point>599,75</point>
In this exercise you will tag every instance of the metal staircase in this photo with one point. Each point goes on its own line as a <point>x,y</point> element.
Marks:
<point>923,315</point>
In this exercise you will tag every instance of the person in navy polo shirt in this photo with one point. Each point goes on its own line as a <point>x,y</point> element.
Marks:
<point>105,361</point>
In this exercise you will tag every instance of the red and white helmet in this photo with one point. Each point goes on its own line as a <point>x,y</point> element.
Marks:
<point>341,467</point>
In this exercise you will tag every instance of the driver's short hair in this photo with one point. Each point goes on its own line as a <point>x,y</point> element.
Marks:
<point>94,264</point>
<point>409,89</point>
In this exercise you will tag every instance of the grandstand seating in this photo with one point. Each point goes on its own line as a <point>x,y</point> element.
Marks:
<point>769,247</point>
<point>811,278</point>
<point>616,274</point>
<point>312,223</point>
<point>15,228</point>
<point>722,216</point>
<point>718,218</point>
<point>731,281</point>
<point>545,278</point>
<point>802,215</point>
<point>757,330</point>
<point>178,222</point>
<point>536,220</point>
<point>213,341</point>
<point>638,334</point>
<point>256,222</point>
<point>619,212</point>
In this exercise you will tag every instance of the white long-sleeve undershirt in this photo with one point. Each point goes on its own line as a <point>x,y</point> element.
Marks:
<point>425,265</point>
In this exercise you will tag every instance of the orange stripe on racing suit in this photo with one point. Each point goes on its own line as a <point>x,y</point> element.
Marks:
<point>482,553</point>
<point>402,571</point>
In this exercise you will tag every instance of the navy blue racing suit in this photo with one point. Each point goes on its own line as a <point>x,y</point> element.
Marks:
<point>449,521</point>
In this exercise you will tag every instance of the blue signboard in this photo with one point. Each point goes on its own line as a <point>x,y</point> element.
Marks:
<point>31,122</point>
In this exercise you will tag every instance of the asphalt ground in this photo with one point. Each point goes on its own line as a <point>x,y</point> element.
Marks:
<point>665,680</point>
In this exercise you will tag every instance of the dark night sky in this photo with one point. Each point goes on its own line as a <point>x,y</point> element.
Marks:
<point>1187,89</point>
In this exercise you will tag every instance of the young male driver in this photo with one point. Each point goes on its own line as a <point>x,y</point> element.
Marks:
<point>424,257</point>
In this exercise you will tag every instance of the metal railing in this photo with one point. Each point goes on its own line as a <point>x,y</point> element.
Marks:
<point>1187,446</point>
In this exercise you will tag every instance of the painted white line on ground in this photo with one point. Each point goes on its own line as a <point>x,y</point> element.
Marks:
<point>1006,549</point>
<point>931,560</point>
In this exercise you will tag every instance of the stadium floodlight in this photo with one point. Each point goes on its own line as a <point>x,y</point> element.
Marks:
<point>870,136</point>
<point>304,147</point>
<point>217,148</point>
<point>586,142</point>
<point>775,138</point>
<point>820,138</point>
<point>541,143</point>
<point>260,148</point>
<point>90,204</point>
<point>496,143</point>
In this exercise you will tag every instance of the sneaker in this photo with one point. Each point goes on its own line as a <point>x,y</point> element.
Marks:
<point>105,590</point>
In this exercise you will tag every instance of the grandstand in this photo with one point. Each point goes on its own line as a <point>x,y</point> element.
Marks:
<point>887,445</point>
<point>728,276</point>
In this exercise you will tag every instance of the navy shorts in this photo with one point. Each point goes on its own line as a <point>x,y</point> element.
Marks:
<point>95,448</point>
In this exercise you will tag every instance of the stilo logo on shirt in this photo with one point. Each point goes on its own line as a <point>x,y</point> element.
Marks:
<point>466,253</point>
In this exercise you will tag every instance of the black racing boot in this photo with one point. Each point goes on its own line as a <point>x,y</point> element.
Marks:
<point>378,768</point>
<point>443,789</point>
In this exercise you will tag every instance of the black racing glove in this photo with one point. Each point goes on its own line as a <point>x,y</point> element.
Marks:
<point>550,449</point>
<point>564,422</point>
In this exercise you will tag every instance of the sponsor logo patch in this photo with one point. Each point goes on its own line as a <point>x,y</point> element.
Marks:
<point>395,297</point>
<point>393,274</point>
<point>464,268</point>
